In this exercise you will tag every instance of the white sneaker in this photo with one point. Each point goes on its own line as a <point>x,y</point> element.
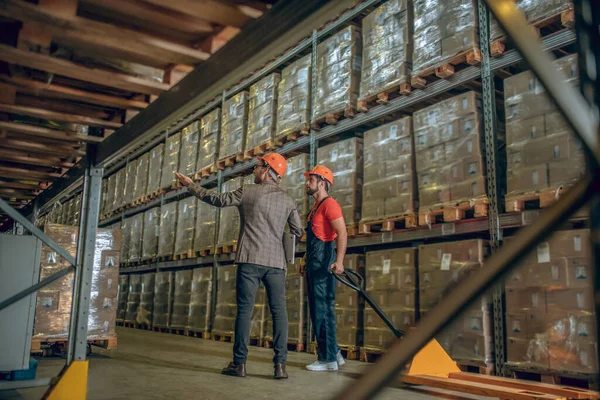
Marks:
<point>340,359</point>
<point>323,366</point>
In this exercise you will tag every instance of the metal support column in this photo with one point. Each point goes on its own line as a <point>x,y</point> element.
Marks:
<point>493,183</point>
<point>313,95</point>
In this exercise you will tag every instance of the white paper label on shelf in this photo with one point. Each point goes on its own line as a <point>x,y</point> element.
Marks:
<point>407,320</point>
<point>408,299</point>
<point>386,266</point>
<point>408,278</point>
<point>393,132</point>
<point>439,253</point>
<point>583,357</point>
<point>426,277</point>
<point>577,242</point>
<point>226,276</point>
<point>543,252</point>
<point>580,300</point>
<point>386,237</point>
<point>555,272</point>
<point>109,283</point>
<point>580,273</point>
<point>446,259</point>
<point>534,299</point>
<point>334,155</point>
<point>392,280</point>
<point>185,207</point>
<point>350,300</point>
<point>516,326</point>
<point>407,258</point>
<point>583,329</point>
<point>448,229</point>
<point>105,326</point>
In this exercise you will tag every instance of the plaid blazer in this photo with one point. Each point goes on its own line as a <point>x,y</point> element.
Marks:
<point>264,211</point>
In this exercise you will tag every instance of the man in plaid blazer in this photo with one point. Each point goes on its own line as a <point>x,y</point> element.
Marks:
<point>264,209</point>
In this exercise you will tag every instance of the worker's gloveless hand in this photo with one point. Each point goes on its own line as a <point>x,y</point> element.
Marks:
<point>184,180</point>
<point>302,266</point>
<point>337,268</point>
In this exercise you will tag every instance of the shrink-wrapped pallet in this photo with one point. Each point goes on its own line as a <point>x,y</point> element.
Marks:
<point>200,300</point>
<point>345,160</point>
<point>186,222</point>
<point>77,210</point>
<point>262,111</point>
<point>294,183</point>
<point>104,195</point>
<point>126,232</point>
<point>130,174</point>
<point>349,307</point>
<point>119,197</point>
<point>123,296</point>
<point>234,125</point>
<point>136,237</point>
<point>168,227</point>
<point>140,185</point>
<point>170,163</point>
<point>182,291</point>
<point>390,187</point>
<point>339,60</point>
<point>210,127</point>
<point>151,233</point>
<point>204,232</point>
<point>387,49</point>
<point>155,164</point>
<point>188,158</point>
<point>293,105</point>
<point>163,297</point>
<point>134,295</point>
<point>146,309</point>
<point>226,307</point>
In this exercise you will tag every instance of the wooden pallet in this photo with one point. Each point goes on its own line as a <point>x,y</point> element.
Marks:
<point>38,345</point>
<point>574,379</point>
<point>178,331</point>
<point>148,260</point>
<point>368,354</point>
<point>203,252</point>
<point>332,118</point>
<point>476,367</point>
<point>565,19</point>
<point>292,136</point>
<point>156,193</point>
<point>349,352</point>
<point>384,96</point>
<point>119,322</point>
<point>205,172</point>
<point>533,200</point>
<point>452,212</point>
<point>182,256</point>
<point>405,221</point>
<point>139,201</point>
<point>291,345</point>
<point>259,150</point>
<point>144,327</point>
<point>230,161</point>
<point>227,337</point>
<point>165,258</point>
<point>447,68</point>
<point>161,329</point>
<point>352,229</point>
<point>197,334</point>
<point>226,248</point>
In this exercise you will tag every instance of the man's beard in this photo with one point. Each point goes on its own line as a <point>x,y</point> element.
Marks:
<point>310,191</point>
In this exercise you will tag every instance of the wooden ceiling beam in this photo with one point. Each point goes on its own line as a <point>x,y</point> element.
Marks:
<point>41,148</point>
<point>210,10</point>
<point>17,194</point>
<point>19,185</point>
<point>102,38</point>
<point>33,130</point>
<point>30,86</point>
<point>213,43</point>
<point>26,158</point>
<point>66,68</point>
<point>27,174</point>
<point>57,116</point>
<point>66,107</point>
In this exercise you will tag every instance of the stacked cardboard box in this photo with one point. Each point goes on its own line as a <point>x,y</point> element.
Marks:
<point>392,284</point>
<point>389,180</point>
<point>163,299</point>
<point>168,227</point>
<point>294,183</point>
<point>136,237</point>
<point>450,151</point>
<point>234,125</point>
<point>188,158</point>
<point>170,163</point>
<point>123,296</point>
<point>550,316</point>
<point>141,177</point>
<point>200,300</point>
<point>345,159</point>
<point>119,189</point>
<point>441,267</point>
<point>387,48</point>
<point>155,163</point>
<point>210,126</point>
<point>204,232</point>
<point>133,298</point>
<point>130,174</point>
<point>182,292</point>
<point>186,222</point>
<point>442,30</point>
<point>542,152</point>
<point>262,111</point>
<point>349,306</point>
<point>339,61</point>
<point>145,310</point>
<point>293,109</point>
<point>226,307</point>
<point>151,233</point>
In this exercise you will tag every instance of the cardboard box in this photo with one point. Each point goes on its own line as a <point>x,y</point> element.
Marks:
<point>527,179</point>
<point>529,299</point>
<point>578,356</point>
<point>528,353</point>
<point>526,129</point>
<point>566,173</point>
<point>571,300</point>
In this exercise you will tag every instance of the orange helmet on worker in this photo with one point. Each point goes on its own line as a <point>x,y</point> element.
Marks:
<point>275,162</point>
<point>322,172</point>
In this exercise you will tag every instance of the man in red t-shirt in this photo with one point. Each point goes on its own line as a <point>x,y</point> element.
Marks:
<point>325,223</point>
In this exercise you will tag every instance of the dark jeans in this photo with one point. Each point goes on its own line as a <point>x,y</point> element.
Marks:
<point>248,278</point>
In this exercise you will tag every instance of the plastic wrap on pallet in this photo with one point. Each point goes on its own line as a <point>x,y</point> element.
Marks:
<point>535,11</point>
<point>294,182</point>
<point>145,311</point>
<point>136,237</point>
<point>103,193</point>
<point>126,232</point>
<point>210,126</point>
<point>345,159</point>
<point>155,163</point>
<point>119,189</point>
<point>542,151</point>
<point>163,297</point>
<point>200,300</point>
<point>140,184</point>
<point>182,291</point>
<point>134,294</point>
<point>167,229</point>
<point>226,308</point>
<point>229,231</point>
<point>234,125</point>
<point>186,223</point>
<point>70,210</point>
<point>262,111</point>
<point>77,210</point>
<point>387,48</point>
<point>204,232</point>
<point>349,306</point>
<point>122,297</point>
<point>171,161</point>
<point>130,174</point>
<point>339,61</point>
<point>450,153</point>
<point>151,233</point>
<point>293,105</point>
<point>550,313</point>
<point>441,267</point>
<point>391,282</point>
<point>390,185</point>
<point>188,158</point>
<point>109,201</point>
<point>442,30</point>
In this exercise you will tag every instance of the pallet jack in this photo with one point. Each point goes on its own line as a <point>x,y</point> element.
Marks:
<point>433,367</point>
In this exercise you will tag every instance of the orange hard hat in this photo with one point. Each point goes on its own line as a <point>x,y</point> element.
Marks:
<point>322,171</point>
<point>276,162</point>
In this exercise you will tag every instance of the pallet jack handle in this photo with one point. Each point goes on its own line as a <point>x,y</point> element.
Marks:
<point>348,278</point>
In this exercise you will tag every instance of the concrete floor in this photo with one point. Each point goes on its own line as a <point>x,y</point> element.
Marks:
<point>149,365</point>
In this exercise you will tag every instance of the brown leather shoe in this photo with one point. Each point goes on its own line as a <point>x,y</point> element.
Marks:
<point>279,371</point>
<point>235,370</point>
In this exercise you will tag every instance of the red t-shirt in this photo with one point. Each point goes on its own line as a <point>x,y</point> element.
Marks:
<point>329,211</point>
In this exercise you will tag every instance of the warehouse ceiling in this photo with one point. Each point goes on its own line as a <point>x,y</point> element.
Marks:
<point>73,71</point>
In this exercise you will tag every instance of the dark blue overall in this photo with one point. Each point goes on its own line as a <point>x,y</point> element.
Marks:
<point>321,290</point>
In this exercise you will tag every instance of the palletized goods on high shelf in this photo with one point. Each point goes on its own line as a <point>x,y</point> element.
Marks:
<point>151,233</point>
<point>188,158</point>
<point>210,128</point>
<point>293,106</point>
<point>294,183</point>
<point>226,308</point>
<point>262,115</point>
<point>166,238</point>
<point>234,125</point>
<point>157,155</point>
<point>186,223</point>
<point>182,293</point>
<point>163,299</point>
<point>170,163</point>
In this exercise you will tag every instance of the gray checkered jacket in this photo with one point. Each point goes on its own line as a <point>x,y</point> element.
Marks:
<point>264,211</point>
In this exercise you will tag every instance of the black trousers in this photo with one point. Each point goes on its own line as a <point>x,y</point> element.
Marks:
<point>248,278</point>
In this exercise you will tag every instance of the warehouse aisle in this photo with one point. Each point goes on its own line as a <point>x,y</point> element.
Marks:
<point>151,365</point>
